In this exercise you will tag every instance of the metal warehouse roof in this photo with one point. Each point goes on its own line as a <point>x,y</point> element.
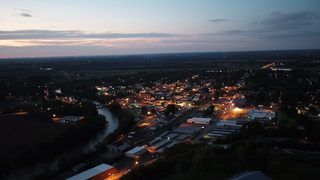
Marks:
<point>91,172</point>
<point>135,150</point>
<point>200,119</point>
<point>160,144</point>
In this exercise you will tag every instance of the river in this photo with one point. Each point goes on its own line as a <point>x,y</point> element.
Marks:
<point>113,124</point>
<point>26,172</point>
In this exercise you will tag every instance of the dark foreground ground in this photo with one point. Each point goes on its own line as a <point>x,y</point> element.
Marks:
<point>21,132</point>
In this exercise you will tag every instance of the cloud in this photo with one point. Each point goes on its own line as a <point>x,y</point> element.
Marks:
<point>219,20</point>
<point>279,25</point>
<point>22,12</point>
<point>287,21</point>
<point>25,15</point>
<point>76,34</point>
<point>229,32</point>
<point>25,10</point>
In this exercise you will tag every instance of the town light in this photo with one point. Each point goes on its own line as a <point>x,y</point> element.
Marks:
<point>237,109</point>
<point>54,115</point>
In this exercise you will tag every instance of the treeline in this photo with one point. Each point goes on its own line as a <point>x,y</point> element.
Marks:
<point>191,159</point>
<point>82,131</point>
<point>74,135</point>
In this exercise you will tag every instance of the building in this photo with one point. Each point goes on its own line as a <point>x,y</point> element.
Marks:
<point>71,119</point>
<point>159,145</point>
<point>196,120</point>
<point>118,146</point>
<point>79,167</point>
<point>154,141</point>
<point>251,175</point>
<point>186,130</point>
<point>241,103</point>
<point>171,136</point>
<point>136,152</point>
<point>226,123</point>
<point>256,114</point>
<point>99,172</point>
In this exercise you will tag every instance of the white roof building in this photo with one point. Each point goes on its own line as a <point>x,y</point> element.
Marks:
<point>136,152</point>
<point>260,114</point>
<point>102,168</point>
<point>196,120</point>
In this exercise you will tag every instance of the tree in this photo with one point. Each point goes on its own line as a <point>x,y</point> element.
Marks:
<point>183,165</point>
<point>242,153</point>
<point>144,110</point>
<point>288,176</point>
<point>203,158</point>
<point>171,108</point>
<point>209,110</point>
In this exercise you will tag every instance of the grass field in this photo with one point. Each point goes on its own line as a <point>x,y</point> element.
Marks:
<point>20,132</point>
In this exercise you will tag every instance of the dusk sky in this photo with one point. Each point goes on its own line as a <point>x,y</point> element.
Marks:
<point>34,28</point>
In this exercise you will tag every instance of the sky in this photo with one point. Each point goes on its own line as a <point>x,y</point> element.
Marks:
<point>43,28</point>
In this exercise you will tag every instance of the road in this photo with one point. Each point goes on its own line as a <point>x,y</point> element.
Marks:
<point>116,176</point>
<point>17,113</point>
<point>66,75</point>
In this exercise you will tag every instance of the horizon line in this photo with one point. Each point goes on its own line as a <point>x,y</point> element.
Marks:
<point>152,53</point>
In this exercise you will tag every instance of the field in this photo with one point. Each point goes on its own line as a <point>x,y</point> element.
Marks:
<point>56,76</point>
<point>21,132</point>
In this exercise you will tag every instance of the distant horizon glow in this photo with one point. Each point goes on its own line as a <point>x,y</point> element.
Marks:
<point>60,28</point>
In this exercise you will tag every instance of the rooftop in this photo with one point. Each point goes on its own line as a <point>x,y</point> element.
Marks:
<point>91,172</point>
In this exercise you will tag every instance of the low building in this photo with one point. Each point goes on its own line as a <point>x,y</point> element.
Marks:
<point>154,141</point>
<point>79,167</point>
<point>197,120</point>
<point>159,145</point>
<point>215,135</point>
<point>182,137</point>
<point>99,172</point>
<point>118,146</point>
<point>71,119</point>
<point>186,130</point>
<point>250,175</point>
<point>136,152</point>
<point>172,144</point>
<point>241,103</point>
<point>162,135</point>
<point>257,114</point>
<point>226,123</point>
<point>171,136</point>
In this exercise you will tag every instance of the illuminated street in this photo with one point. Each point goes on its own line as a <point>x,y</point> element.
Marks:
<point>116,176</point>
